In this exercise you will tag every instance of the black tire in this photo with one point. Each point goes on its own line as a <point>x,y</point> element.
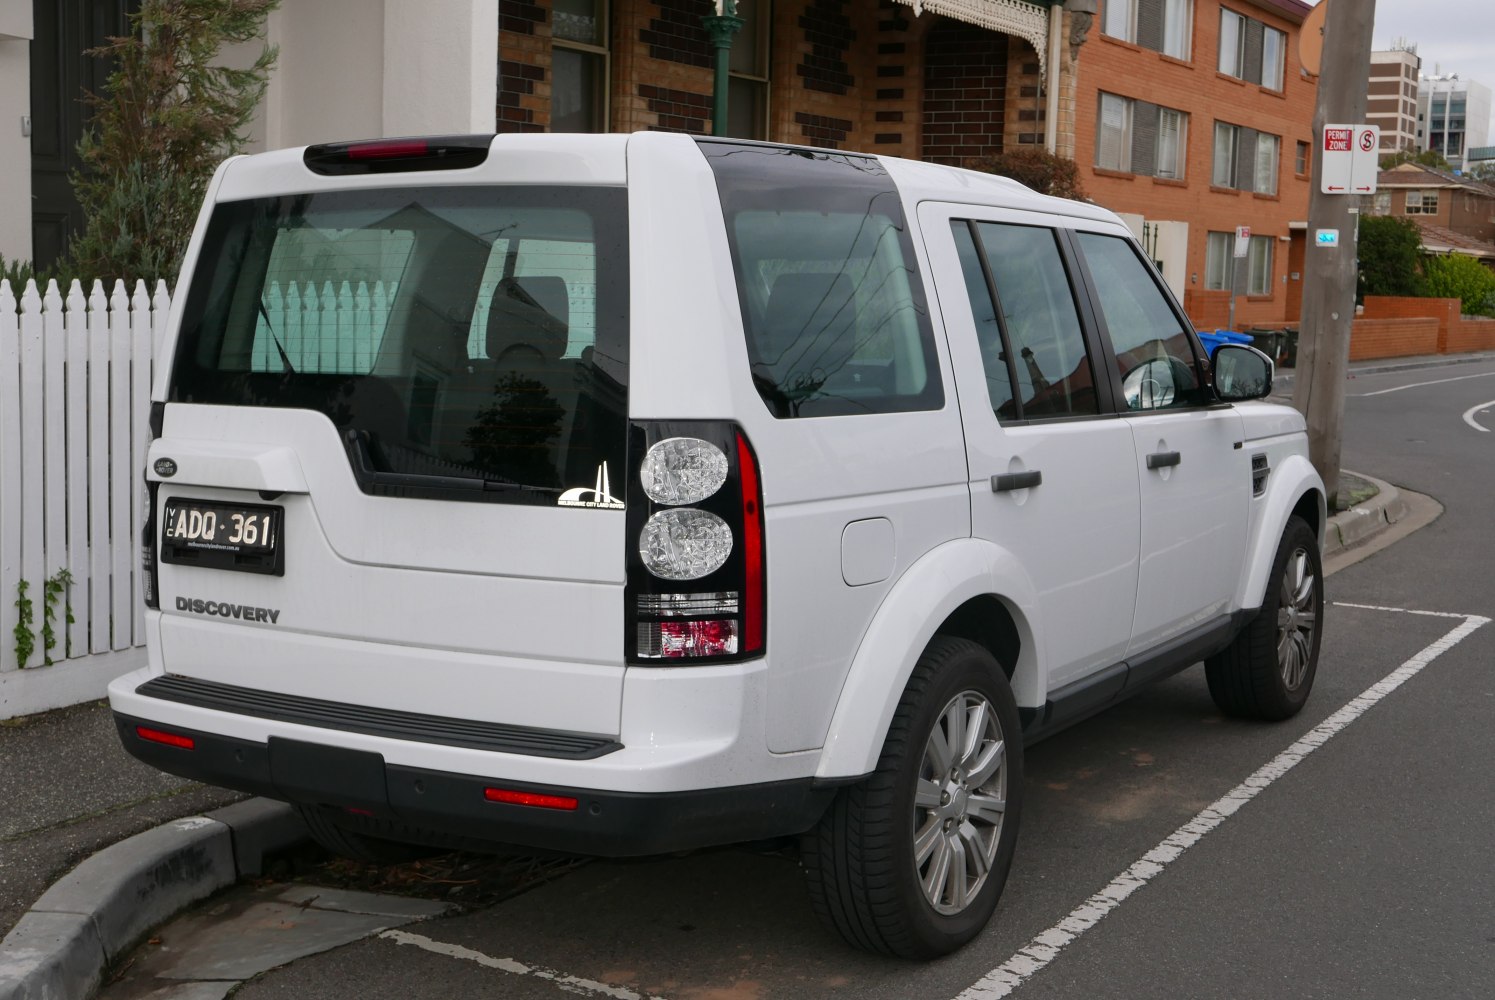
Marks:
<point>1267,671</point>
<point>347,843</point>
<point>860,864</point>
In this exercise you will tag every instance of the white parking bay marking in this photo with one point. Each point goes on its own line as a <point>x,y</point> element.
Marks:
<point>1044,948</point>
<point>1477,407</point>
<point>571,984</point>
<point>1418,385</point>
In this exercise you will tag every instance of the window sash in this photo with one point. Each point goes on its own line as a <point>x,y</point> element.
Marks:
<point>1232,44</point>
<point>1172,141</point>
<point>1266,163</point>
<point>1273,53</point>
<point>1113,147</point>
<point>1218,261</point>
<point>1178,28</point>
<point>1119,19</point>
<point>1226,139</point>
<point>1259,266</point>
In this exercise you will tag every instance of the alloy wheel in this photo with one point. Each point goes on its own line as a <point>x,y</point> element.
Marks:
<point>1297,618</point>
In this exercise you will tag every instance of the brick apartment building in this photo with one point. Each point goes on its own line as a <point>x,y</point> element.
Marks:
<point>1195,118</point>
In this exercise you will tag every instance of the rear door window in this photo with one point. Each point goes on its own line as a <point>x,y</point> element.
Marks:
<point>468,343</point>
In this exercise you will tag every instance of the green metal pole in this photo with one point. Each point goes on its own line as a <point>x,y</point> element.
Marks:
<point>721,27</point>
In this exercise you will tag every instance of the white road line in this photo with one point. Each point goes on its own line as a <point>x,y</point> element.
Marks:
<point>571,984</point>
<point>1401,611</point>
<point>1469,415</point>
<point>1418,385</point>
<point>1044,948</point>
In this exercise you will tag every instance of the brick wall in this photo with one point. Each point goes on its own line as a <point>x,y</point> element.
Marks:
<point>1208,310</point>
<point>1392,338</point>
<point>965,92</point>
<point>1470,335</point>
<point>523,66</point>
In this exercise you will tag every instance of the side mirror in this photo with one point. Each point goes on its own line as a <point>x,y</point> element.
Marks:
<point>1240,373</point>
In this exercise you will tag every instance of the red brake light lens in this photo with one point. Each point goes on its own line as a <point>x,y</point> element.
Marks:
<point>380,156</point>
<point>518,798</point>
<point>166,739</point>
<point>386,150</point>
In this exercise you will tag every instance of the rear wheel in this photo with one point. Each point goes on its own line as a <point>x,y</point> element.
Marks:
<point>359,846</point>
<point>1268,669</point>
<point>912,860</point>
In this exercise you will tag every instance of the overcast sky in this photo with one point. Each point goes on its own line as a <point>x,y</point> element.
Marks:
<point>1452,36</point>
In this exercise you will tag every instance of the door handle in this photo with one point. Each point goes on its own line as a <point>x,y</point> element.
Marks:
<point>1016,481</point>
<point>1163,459</point>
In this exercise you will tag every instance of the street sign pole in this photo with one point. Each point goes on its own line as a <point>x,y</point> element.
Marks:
<point>1242,248</point>
<point>1329,271</point>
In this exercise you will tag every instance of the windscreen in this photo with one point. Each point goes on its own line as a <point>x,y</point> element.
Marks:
<point>467,343</point>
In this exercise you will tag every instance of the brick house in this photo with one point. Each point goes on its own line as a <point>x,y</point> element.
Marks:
<point>1458,204</point>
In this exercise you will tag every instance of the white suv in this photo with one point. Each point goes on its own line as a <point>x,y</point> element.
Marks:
<point>630,494</point>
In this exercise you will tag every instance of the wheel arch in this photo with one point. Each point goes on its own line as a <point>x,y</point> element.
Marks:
<point>968,588</point>
<point>1294,489</point>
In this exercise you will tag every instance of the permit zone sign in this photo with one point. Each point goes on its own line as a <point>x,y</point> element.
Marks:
<point>1352,155</point>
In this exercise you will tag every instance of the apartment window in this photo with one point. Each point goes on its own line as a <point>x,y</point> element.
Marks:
<point>1250,50</point>
<point>1265,181</point>
<point>1165,26</point>
<point>747,83</point>
<point>578,66</point>
<point>1300,160</point>
<point>1422,202</point>
<point>1245,159</point>
<point>1140,138</point>
<point>1218,261</point>
<point>1259,266</point>
<point>1113,144</point>
<point>1227,142</point>
<point>1232,43</point>
<point>1173,139</point>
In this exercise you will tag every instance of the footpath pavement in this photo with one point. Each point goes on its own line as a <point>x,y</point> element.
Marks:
<point>152,845</point>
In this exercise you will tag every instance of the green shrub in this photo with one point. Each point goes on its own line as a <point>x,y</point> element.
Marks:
<point>1457,276</point>
<point>169,114</point>
<point>1389,249</point>
<point>1039,169</point>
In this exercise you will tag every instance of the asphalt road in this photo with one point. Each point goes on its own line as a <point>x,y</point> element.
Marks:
<point>1345,853</point>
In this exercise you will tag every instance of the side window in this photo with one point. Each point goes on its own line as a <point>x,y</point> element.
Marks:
<point>1153,354</point>
<point>1033,341</point>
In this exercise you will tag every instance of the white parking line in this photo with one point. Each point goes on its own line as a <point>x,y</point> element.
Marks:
<point>571,984</point>
<point>1469,415</point>
<point>1418,385</point>
<point>1044,948</point>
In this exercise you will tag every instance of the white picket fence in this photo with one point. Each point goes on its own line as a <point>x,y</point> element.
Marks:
<point>75,380</point>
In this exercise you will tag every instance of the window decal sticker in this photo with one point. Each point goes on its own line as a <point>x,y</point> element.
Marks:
<point>598,496</point>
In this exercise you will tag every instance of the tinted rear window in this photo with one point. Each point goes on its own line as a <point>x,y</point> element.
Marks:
<point>468,343</point>
<point>831,297</point>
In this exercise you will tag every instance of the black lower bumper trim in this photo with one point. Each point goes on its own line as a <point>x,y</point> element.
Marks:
<point>450,810</point>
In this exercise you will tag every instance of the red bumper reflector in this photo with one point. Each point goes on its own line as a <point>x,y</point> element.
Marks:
<point>167,739</point>
<point>512,797</point>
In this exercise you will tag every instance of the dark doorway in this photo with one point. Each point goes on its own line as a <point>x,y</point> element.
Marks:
<point>60,74</point>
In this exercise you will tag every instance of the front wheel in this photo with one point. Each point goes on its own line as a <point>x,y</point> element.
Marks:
<point>1268,669</point>
<point>911,861</point>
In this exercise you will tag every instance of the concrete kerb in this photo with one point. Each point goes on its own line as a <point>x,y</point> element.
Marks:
<point>59,949</point>
<point>1363,521</point>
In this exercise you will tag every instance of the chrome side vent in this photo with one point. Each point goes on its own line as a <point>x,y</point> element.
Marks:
<point>1260,470</point>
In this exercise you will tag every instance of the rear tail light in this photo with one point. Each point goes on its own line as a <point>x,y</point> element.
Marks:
<point>695,544</point>
<point>165,738</point>
<point>150,590</point>
<point>383,156</point>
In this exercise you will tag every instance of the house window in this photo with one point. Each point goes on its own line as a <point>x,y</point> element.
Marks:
<point>1273,50</point>
<point>1422,202</point>
<point>1173,139</point>
<point>1382,203</point>
<point>1165,26</point>
<point>747,83</point>
<point>1227,142</point>
<point>1219,261</point>
<point>1266,163</point>
<point>578,66</point>
<point>1140,138</point>
<point>1113,145</point>
<point>1259,266</point>
<point>1300,160</point>
<point>1232,44</point>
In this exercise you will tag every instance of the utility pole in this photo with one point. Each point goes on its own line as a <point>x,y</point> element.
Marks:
<point>1329,274</point>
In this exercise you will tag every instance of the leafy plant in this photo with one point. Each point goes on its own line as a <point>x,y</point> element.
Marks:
<point>25,638</point>
<point>53,590</point>
<point>1427,158</point>
<point>1044,172</point>
<point>1390,257</point>
<point>1458,276</point>
<point>169,114</point>
<point>18,272</point>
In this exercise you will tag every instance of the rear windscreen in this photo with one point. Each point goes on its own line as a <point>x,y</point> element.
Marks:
<point>468,343</point>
